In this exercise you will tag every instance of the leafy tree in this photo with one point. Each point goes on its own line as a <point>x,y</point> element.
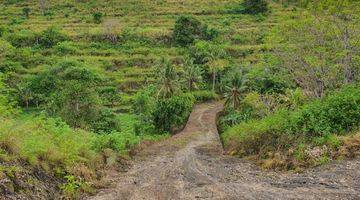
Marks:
<point>167,78</point>
<point>70,91</point>
<point>187,29</point>
<point>192,74</point>
<point>320,51</point>
<point>255,6</point>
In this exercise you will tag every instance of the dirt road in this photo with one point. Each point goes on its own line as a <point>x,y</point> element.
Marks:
<point>190,165</point>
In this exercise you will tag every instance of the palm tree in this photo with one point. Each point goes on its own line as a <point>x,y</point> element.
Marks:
<point>234,90</point>
<point>192,74</point>
<point>215,63</point>
<point>167,78</point>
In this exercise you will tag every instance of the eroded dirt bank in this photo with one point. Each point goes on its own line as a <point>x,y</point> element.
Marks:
<point>190,165</point>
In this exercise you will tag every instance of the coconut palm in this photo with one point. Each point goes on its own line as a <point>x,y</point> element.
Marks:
<point>234,89</point>
<point>192,74</point>
<point>167,78</point>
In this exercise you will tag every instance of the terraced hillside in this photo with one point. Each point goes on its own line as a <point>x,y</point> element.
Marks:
<point>133,35</point>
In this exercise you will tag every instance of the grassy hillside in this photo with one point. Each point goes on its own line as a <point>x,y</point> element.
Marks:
<point>121,49</point>
<point>143,30</point>
<point>103,76</point>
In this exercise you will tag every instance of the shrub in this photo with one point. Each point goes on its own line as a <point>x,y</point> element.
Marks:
<point>97,16</point>
<point>205,95</point>
<point>187,29</point>
<point>22,38</point>
<point>26,12</point>
<point>51,36</point>
<point>255,6</point>
<point>336,114</point>
<point>172,112</point>
<point>6,49</point>
<point>255,136</point>
<point>106,122</point>
<point>2,30</point>
<point>66,47</point>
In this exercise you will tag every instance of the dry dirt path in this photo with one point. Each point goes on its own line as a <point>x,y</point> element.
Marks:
<point>190,165</point>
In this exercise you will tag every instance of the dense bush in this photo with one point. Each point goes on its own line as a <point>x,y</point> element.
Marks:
<point>187,29</point>
<point>51,36</point>
<point>97,16</point>
<point>172,112</point>
<point>336,114</point>
<point>22,38</point>
<point>26,12</point>
<point>6,49</point>
<point>339,113</point>
<point>255,6</point>
<point>2,30</point>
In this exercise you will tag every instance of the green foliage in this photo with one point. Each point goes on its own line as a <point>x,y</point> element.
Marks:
<point>319,44</point>
<point>144,101</point>
<point>192,74</point>
<point>71,187</point>
<point>127,138</point>
<point>255,6</point>
<point>6,50</point>
<point>21,38</point>
<point>26,12</point>
<point>187,29</point>
<point>97,17</point>
<point>69,90</point>
<point>110,95</point>
<point>167,78</point>
<point>2,30</point>
<point>105,122</point>
<point>235,87</point>
<point>203,52</point>
<point>66,47</point>
<point>205,95</point>
<point>172,112</point>
<point>51,36</point>
<point>5,109</point>
<point>52,141</point>
<point>337,114</point>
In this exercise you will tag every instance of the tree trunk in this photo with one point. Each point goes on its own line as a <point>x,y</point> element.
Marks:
<point>214,79</point>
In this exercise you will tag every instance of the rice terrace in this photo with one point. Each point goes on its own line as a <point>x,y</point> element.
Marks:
<point>179,99</point>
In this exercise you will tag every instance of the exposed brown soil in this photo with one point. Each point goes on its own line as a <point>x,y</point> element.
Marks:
<point>191,165</point>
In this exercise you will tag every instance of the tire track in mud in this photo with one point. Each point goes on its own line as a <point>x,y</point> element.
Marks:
<point>190,165</point>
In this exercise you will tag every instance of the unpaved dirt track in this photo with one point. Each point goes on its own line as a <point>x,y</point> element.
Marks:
<point>190,165</point>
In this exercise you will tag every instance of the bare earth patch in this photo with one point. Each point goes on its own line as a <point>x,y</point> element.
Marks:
<point>191,165</point>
